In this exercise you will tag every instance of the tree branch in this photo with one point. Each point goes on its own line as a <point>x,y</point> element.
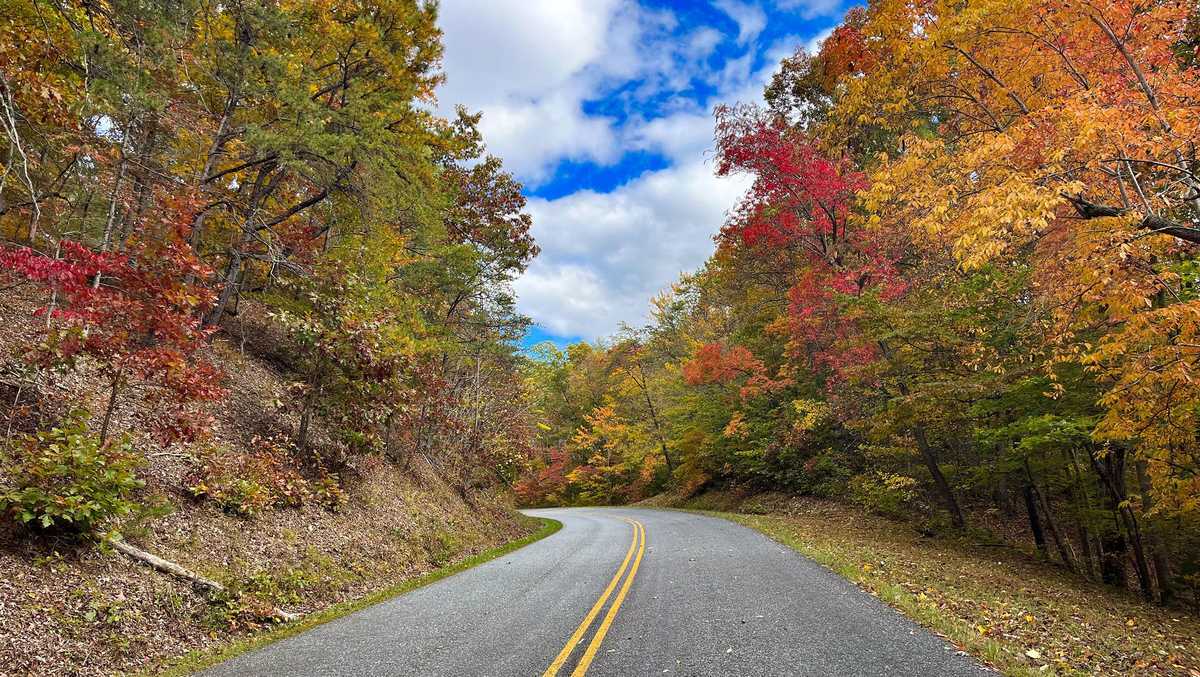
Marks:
<point>1158,224</point>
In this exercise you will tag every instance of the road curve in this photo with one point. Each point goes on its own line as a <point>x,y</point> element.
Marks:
<point>695,596</point>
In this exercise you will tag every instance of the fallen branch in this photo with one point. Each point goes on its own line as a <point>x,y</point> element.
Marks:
<point>198,582</point>
<point>159,564</point>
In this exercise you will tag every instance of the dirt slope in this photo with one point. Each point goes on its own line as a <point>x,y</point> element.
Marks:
<point>70,608</point>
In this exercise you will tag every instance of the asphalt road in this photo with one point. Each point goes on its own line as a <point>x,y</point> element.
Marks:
<point>697,596</point>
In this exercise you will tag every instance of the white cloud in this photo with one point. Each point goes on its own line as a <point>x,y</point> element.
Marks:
<point>500,50</point>
<point>635,241</point>
<point>750,18</point>
<point>684,136</point>
<point>568,298</point>
<point>810,9</point>
<point>532,136</point>
<point>521,63</point>
<point>530,65</point>
<point>605,254</point>
<point>702,42</point>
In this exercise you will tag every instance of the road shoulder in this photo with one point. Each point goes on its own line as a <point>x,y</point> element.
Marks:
<point>1005,608</point>
<point>197,661</point>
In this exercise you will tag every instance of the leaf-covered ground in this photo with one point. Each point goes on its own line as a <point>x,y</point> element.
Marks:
<point>69,608</point>
<point>1020,615</point>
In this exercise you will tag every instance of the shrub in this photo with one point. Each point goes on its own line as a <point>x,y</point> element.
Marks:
<point>65,478</point>
<point>329,493</point>
<point>264,475</point>
<point>884,493</point>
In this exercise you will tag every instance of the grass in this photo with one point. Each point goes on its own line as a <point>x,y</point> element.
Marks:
<point>199,660</point>
<point>1019,615</point>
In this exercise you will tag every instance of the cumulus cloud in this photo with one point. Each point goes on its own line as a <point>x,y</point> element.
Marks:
<point>605,254</point>
<point>500,50</point>
<point>683,136</point>
<point>750,18</point>
<point>533,135</point>
<point>569,299</point>
<point>811,8</point>
<point>520,63</point>
<point>532,66</point>
<point>636,240</point>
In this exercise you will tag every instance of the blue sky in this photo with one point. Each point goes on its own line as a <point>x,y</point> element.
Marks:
<point>602,108</point>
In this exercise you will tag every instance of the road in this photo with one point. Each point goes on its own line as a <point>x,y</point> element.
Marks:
<point>695,595</point>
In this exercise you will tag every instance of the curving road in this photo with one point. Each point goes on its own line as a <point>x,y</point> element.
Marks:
<point>695,595</point>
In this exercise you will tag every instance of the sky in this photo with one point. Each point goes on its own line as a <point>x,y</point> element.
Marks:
<point>603,109</point>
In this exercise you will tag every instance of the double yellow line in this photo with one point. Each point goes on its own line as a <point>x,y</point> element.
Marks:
<point>639,546</point>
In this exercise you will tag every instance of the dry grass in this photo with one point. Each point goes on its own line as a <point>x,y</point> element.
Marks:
<point>1018,614</point>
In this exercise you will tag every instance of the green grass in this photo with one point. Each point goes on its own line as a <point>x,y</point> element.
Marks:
<point>199,660</point>
<point>1020,615</point>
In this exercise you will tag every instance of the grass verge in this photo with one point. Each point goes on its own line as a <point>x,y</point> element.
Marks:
<point>1019,615</point>
<point>199,660</point>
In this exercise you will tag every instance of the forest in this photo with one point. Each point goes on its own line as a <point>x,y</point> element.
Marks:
<point>961,291</point>
<point>248,272</point>
<point>257,310</point>
<point>169,165</point>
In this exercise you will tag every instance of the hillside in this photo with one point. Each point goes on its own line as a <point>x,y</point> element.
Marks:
<point>257,328</point>
<point>68,607</point>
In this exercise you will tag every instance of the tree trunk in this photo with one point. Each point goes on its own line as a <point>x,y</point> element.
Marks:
<point>264,185</point>
<point>1141,566</point>
<point>1158,549</point>
<point>939,480</point>
<point>662,440</point>
<point>1112,476</point>
<point>1083,507</point>
<point>930,457</point>
<point>1060,544</point>
<point>112,405</point>
<point>1113,554</point>
<point>1085,540</point>
<point>111,222</point>
<point>310,401</point>
<point>232,271</point>
<point>1035,524</point>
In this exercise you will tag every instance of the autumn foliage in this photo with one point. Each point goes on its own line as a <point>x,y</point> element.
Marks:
<point>962,283</point>
<point>173,173</point>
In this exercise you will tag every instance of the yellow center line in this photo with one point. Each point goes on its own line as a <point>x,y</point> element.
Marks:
<point>590,654</point>
<point>591,615</point>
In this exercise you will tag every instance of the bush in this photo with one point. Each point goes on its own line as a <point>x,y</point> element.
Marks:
<point>65,478</point>
<point>263,476</point>
<point>884,493</point>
